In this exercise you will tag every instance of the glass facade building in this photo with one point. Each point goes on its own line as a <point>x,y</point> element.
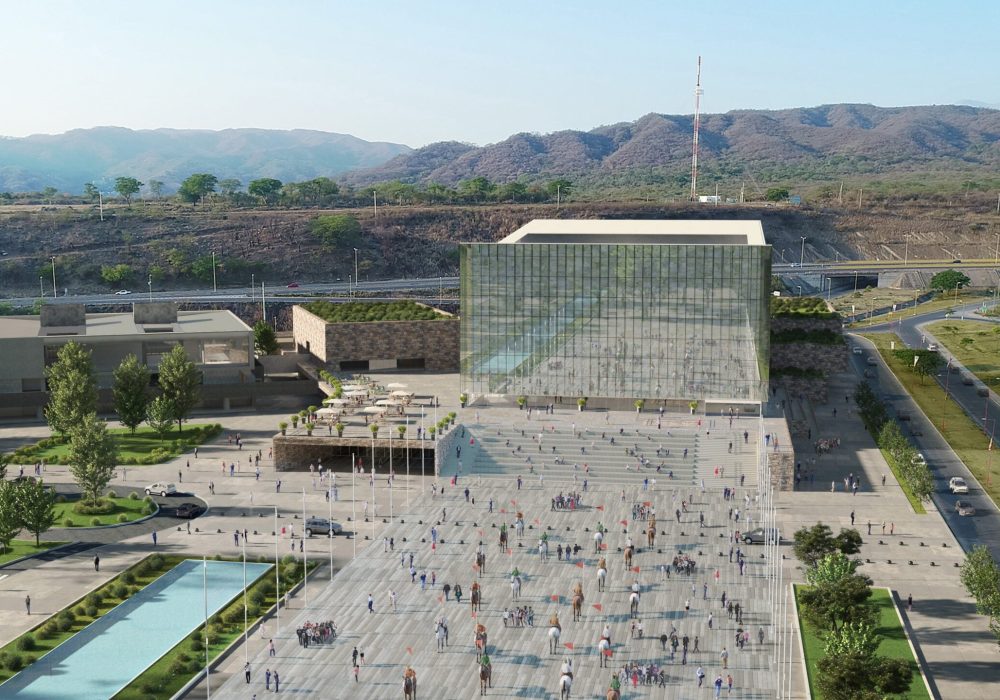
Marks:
<point>618,309</point>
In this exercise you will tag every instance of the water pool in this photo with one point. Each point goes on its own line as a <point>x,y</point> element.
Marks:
<point>103,658</point>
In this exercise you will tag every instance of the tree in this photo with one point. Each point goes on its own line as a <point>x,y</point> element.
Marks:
<point>91,192</point>
<point>72,388</point>
<point>180,381</point>
<point>512,191</point>
<point>776,194</point>
<point>337,230</point>
<point>160,415</point>
<point>229,187</point>
<point>814,543</point>
<point>93,455</point>
<point>155,188</point>
<point>265,342</point>
<point>126,187</point>
<point>4,461</point>
<point>116,274</point>
<point>10,515</point>
<point>949,279</point>
<point>36,504</point>
<point>477,189</point>
<point>266,189</point>
<point>559,188</point>
<point>131,392</point>
<point>831,568</point>
<point>851,669</point>
<point>49,193</point>
<point>981,578</point>
<point>829,605</point>
<point>196,187</point>
<point>923,363</point>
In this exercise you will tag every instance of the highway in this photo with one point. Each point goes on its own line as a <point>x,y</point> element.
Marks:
<point>984,527</point>
<point>874,267</point>
<point>304,292</point>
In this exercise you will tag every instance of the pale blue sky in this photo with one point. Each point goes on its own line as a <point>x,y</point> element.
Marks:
<point>421,72</point>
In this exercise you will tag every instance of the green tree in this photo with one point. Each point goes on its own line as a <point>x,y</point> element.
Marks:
<point>4,461</point>
<point>512,191</point>
<point>202,268</point>
<point>949,279</point>
<point>831,568</point>
<point>93,455</point>
<point>851,669</point>
<point>196,187</point>
<point>830,604</point>
<point>126,187</point>
<point>229,187</point>
<point>266,189</point>
<point>155,188</point>
<point>814,543</point>
<point>180,382</point>
<point>49,193</point>
<point>478,189</point>
<point>981,578</point>
<point>265,342</point>
<point>10,514</point>
<point>36,504</point>
<point>91,192</point>
<point>131,392</point>
<point>923,363</point>
<point>72,388</point>
<point>337,230</point>
<point>559,188</point>
<point>116,274</point>
<point>776,194</point>
<point>160,415</point>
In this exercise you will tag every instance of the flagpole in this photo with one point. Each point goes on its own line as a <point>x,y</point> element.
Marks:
<point>305,554</point>
<point>204,585</point>
<point>354,504</point>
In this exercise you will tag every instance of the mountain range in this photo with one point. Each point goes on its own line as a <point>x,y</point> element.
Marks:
<point>810,143</point>
<point>68,161</point>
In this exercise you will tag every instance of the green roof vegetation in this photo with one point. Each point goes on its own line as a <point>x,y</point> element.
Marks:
<point>362,312</point>
<point>800,307</point>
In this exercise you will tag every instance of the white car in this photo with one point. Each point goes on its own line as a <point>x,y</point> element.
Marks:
<point>957,485</point>
<point>857,350</point>
<point>160,487</point>
<point>120,292</point>
<point>920,460</point>
<point>932,347</point>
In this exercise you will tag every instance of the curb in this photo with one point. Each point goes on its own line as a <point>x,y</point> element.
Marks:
<point>802,651</point>
<point>908,629</point>
<point>35,554</point>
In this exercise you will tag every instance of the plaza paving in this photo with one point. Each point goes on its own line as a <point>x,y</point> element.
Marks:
<point>522,662</point>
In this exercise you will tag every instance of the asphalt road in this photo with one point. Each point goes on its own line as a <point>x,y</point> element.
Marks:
<point>304,292</point>
<point>984,526</point>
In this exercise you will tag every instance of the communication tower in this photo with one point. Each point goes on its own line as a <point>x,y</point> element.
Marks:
<point>694,145</point>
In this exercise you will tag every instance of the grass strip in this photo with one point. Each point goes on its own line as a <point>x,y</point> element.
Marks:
<point>124,510</point>
<point>962,434</point>
<point>975,344</point>
<point>893,644</point>
<point>22,548</point>
<point>144,447</point>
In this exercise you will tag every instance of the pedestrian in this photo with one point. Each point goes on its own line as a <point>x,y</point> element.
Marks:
<point>97,563</point>
<point>361,657</point>
<point>909,602</point>
<point>354,657</point>
<point>246,671</point>
<point>371,604</point>
<point>729,682</point>
<point>718,685</point>
<point>355,670</point>
<point>267,679</point>
<point>852,517</point>
<point>154,538</point>
<point>27,603</point>
<point>724,656</point>
<point>892,528</point>
<point>277,681</point>
<point>869,528</point>
<point>270,647</point>
<point>883,479</point>
<point>700,674</point>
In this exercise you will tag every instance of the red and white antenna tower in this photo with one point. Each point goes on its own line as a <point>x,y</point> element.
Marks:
<point>694,144</point>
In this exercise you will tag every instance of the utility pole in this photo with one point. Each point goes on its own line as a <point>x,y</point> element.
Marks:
<point>841,193</point>
<point>356,278</point>
<point>55,292</point>
<point>694,144</point>
<point>743,187</point>
<point>100,200</point>
<point>375,202</point>
<point>802,252</point>
<point>860,190</point>
<point>263,306</point>
<point>215,285</point>
<point>150,283</point>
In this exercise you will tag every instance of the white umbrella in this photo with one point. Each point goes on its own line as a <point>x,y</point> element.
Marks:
<point>334,402</point>
<point>388,402</point>
<point>395,385</point>
<point>401,393</point>
<point>356,393</point>
<point>354,387</point>
<point>327,412</point>
<point>375,409</point>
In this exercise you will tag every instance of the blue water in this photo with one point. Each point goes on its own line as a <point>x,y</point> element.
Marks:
<point>100,660</point>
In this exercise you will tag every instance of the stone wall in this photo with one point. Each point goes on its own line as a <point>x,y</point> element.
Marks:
<point>435,342</point>
<point>297,452</point>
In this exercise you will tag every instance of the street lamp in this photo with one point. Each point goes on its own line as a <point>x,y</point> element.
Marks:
<point>55,293</point>
<point>215,286</point>
<point>996,251</point>
<point>906,249</point>
<point>356,278</point>
<point>802,252</point>
<point>150,283</point>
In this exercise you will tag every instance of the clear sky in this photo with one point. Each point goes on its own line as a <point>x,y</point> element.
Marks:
<point>416,73</point>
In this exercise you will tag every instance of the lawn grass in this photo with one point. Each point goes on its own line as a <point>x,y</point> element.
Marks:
<point>887,297</point>
<point>964,436</point>
<point>12,659</point>
<point>892,645</point>
<point>143,447</point>
<point>22,548</point>
<point>131,509</point>
<point>975,344</point>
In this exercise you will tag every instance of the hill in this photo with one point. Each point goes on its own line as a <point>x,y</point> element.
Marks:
<point>67,161</point>
<point>803,144</point>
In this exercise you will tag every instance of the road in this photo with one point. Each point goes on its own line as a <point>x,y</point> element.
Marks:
<point>984,527</point>
<point>304,292</point>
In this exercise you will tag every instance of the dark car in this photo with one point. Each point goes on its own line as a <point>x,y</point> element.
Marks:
<point>758,537</point>
<point>188,510</point>
<point>292,285</point>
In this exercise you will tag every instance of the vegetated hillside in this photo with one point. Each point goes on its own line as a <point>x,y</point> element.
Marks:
<point>174,244</point>
<point>802,145</point>
<point>67,161</point>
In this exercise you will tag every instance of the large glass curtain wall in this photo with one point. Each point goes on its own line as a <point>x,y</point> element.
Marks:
<point>625,321</point>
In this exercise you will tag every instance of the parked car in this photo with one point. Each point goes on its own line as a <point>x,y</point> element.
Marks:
<point>957,485</point>
<point>188,510</point>
<point>161,487</point>
<point>321,526</point>
<point>758,536</point>
<point>964,508</point>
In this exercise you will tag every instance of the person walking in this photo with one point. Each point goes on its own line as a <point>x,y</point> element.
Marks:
<point>700,674</point>
<point>277,681</point>
<point>852,518</point>
<point>270,647</point>
<point>371,604</point>
<point>246,671</point>
<point>154,538</point>
<point>267,680</point>
<point>354,657</point>
<point>97,563</point>
<point>909,602</point>
<point>392,600</point>
<point>27,603</point>
<point>718,685</point>
<point>724,656</point>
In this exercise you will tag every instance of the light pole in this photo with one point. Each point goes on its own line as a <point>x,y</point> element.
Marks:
<point>246,633</point>
<point>149,282</point>
<point>41,290</point>
<point>204,585</point>
<point>305,553</point>
<point>329,520</point>
<point>253,289</point>
<point>356,278</point>
<point>354,504</point>
<point>407,447</point>
<point>996,251</point>
<point>215,285</point>
<point>802,251</point>
<point>55,293</point>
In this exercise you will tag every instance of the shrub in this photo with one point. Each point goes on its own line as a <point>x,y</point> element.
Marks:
<point>257,598</point>
<point>102,507</point>
<point>94,598</point>
<point>49,629</point>
<point>213,636</point>
<point>129,578</point>
<point>147,498</point>
<point>111,493</point>
<point>141,569</point>
<point>80,610</point>
<point>196,641</point>
<point>65,620</point>
<point>233,616</point>
<point>253,611</point>
<point>60,498</point>
<point>26,643</point>
<point>91,611</point>
<point>95,522</point>
<point>155,562</point>
<point>15,662</point>
<point>177,667</point>
<point>67,522</point>
<point>134,496</point>
<point>120,590</point>
<point>149,508</point>
<point>122,518</point>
